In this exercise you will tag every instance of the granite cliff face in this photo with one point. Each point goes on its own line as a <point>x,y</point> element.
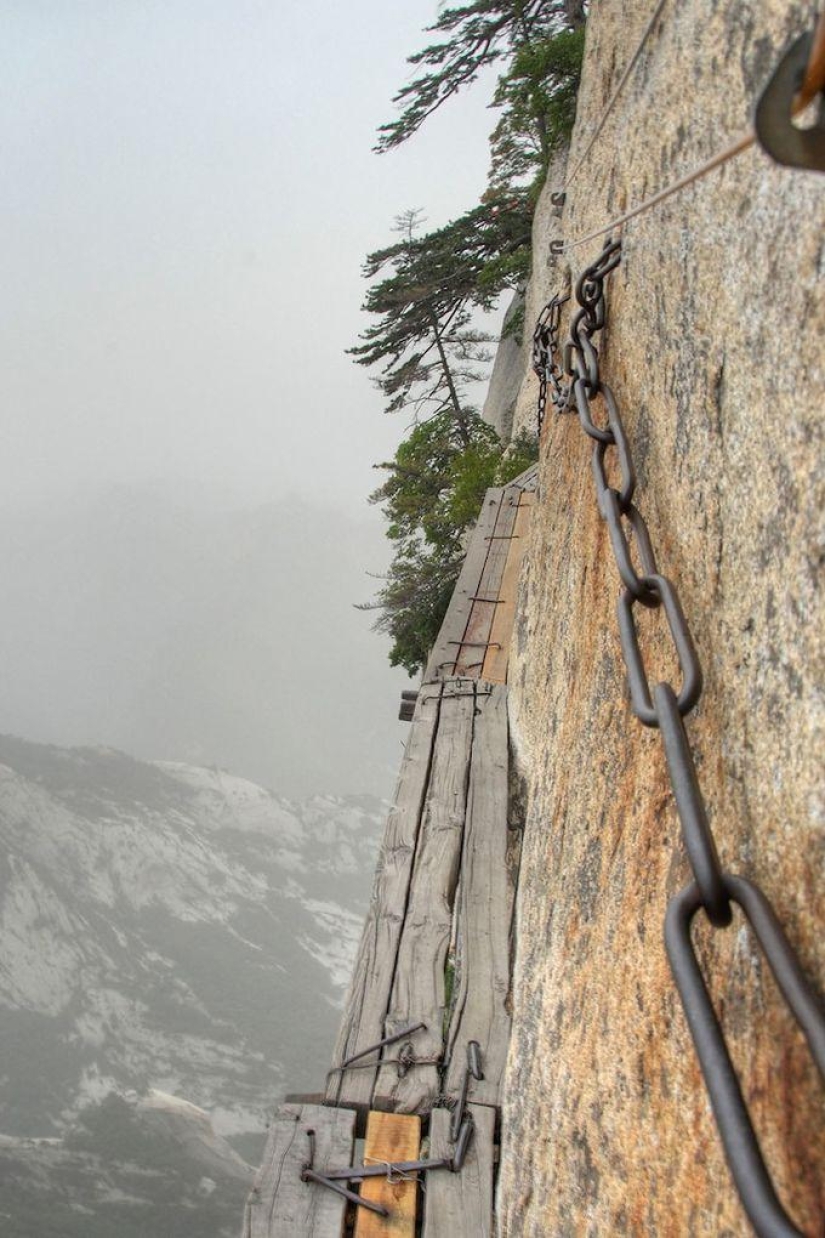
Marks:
<point>714,350</point>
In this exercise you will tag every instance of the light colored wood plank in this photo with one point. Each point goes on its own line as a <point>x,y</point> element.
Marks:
<point>529,479</point>
<point>501,632</point>
<point>484,909</point>
<point>479,623</point>
<point>442,660</point>
<point>461,1205</point>
<point>418,990</point>
<point>281,1205</point>
<point>368,1001</point>
<point>391,1137</point>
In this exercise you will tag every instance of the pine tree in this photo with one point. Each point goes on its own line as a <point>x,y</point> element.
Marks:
<point>432,493</point>
<point>426,287</point>
<point>473,36</point>
<point>423,338</point>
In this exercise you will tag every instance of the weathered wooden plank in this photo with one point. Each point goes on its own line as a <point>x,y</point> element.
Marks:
<point>477,632</point>
<point>442,660</point>
<point>495,662</point>
<point>461,1205</point>
<point>280,1204</point>
<point>371,985</point>
<point>484,909</point>
<point>528,480</point>
<point>418,989</point>
<point>391,1137</point>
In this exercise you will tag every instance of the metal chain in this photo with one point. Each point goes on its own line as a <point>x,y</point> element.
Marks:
<point>665,706</point>
<point>545,348</point>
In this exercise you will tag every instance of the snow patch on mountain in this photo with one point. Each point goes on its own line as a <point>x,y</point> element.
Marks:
<point>171,927</point>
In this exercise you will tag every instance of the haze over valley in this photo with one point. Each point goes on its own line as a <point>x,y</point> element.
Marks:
<point>201,631</point>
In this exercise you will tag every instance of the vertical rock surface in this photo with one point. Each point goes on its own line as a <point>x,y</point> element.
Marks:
<point>510,405</point>
<point>506,376</point>
<point>714,350</point>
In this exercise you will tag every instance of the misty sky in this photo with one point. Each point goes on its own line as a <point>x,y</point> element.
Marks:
<point>188,194</point>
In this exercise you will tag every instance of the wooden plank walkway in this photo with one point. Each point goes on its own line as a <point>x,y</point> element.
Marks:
<point>496,658</point>
<point>280,1204</point>
<point>443,659</point>
<point>461,1205</point>
<point>476,636</point>
<point>496,546</point>
<point>419,984</point>
<point>484,910</point>
<point>432,972</point>
<point>369,996</point>
<point>443,879</point>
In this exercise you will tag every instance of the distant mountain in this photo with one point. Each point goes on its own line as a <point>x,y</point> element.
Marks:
<point>165,927</point>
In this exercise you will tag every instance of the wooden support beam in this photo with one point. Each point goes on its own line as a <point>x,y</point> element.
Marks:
<point>484,909</point>
<point>461,1205</point>
<point>368,1001</point>
<point>418,989</point>
<point>280,1204</point>
<point>390,1137</point>
<point>501,631</point>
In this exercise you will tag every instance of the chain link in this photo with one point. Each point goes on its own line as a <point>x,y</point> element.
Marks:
<point>545,349</point>
<point>577,384</point>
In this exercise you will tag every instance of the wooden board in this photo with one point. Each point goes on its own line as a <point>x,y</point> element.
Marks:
<point>445,652</point>
<point>528,480</point>
<point>390,1137</point>
<point>369,995</point>
<point>418,989</point>
<point>477,631</point>
<point>484,909</point>
<point>280,1205</point>
<point>461,1205</point>
<point>495,662</point>
<point>443,659</point>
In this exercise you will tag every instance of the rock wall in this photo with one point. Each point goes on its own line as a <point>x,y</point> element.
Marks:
<point>505,379</point>
<point>714,350</point>
<point>510,405</point>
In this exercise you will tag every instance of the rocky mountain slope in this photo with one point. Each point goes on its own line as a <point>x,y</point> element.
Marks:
<point>164,927</point>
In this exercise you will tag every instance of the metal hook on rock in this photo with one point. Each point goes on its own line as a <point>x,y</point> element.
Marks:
<point>796,81</point>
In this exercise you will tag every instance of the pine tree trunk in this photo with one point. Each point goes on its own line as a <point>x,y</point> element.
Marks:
<point>458,413</point>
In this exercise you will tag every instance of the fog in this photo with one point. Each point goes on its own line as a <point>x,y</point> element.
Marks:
<point>190,633</point>
<point>188,194</point>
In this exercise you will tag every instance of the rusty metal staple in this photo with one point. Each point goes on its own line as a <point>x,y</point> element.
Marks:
<point>575,385</point>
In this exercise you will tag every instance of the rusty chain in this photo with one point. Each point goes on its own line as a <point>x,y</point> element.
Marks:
<point>575,385</point>
<point>545,350</point>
